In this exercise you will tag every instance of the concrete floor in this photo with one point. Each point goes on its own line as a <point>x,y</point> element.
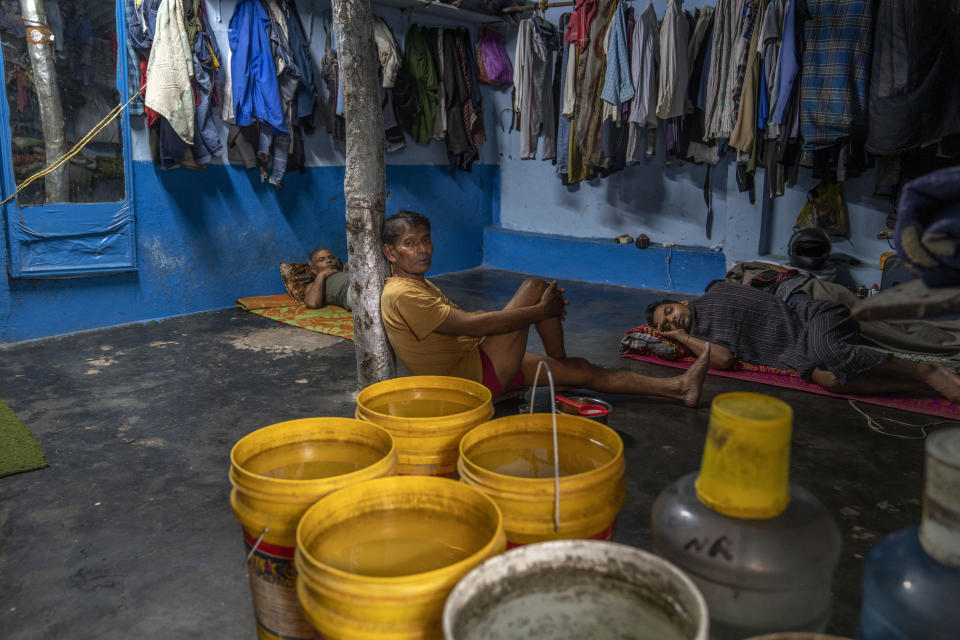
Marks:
<point>129,534</point>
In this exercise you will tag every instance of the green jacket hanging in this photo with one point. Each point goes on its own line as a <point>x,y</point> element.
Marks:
<point>418,66</point>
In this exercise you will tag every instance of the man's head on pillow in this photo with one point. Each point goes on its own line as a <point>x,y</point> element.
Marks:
<point>322,259</point>
<point>669,315</point>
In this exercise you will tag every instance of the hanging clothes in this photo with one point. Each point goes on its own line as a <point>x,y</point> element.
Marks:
<point>788,64</point>
<point>586,138</point>
<point>674,69</point>
<point>745,107</point>
<point>330,73</point>
<point>836,65</point>
<point>455,88</point>
<point>170,70</point>
<point>418,66</point>
<point>768,46</point>
<point>206,62</point>
<point>307,96</point>
<point>533,83</point>
<point>389,65</point>
<point>617,83</point>
<point>387,51</point>
<point>440,119</point>
<point>914,91</point>
<point>644,69</point>
<point>773,72</point>
<point>256,92</point>
<point>288,73</point>
<point>471,103</point>
<point>697,150</point>
<point>568,91</point>
<point>718,87</point>
<point>578,30</point>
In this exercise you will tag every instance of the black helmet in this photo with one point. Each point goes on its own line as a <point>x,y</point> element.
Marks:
<point>809,248</point>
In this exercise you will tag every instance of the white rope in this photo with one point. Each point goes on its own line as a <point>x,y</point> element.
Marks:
<point>255,545</point>
<point>874,424</point>
<point>556,445</point>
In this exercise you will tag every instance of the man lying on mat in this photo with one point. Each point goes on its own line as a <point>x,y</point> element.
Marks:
<point>816,338</point>
<point>330,283</point>
<point>433,336</point>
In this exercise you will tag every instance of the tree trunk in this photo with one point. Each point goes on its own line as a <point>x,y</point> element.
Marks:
<point>48,95</point>
<point>363,185</point>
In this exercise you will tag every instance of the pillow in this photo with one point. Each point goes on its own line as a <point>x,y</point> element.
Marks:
<point>647,341</point>
<point>296,276</point>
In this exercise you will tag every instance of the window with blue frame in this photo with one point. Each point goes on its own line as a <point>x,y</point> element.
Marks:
<point>64,69</point>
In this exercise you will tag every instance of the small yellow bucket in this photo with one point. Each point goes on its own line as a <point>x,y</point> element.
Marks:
<point>277,472</point>
<point>512,460</point>
<point>427,416</point>
<point>745,472</point>
<point>378,559</point>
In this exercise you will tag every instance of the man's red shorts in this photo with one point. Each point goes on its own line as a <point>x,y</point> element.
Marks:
<point>490,380</point>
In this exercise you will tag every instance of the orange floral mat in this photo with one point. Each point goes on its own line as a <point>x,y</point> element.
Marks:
<point>335,321</point>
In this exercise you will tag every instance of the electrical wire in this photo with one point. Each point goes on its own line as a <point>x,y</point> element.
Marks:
<point>77,148</point>
<point>874,424</point>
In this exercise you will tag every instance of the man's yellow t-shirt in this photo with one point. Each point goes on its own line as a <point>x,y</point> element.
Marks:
<point>411,310</point>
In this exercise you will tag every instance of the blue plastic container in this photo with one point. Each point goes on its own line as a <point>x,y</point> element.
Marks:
<point>907,595</point>
<point>911,578</point>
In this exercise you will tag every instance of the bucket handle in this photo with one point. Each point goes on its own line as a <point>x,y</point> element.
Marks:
<point>556,445</point>
<point>256,544</point>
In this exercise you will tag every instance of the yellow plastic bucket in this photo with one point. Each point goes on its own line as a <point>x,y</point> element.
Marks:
<point>427,416</point>
<point>378,559</point>
<point>512,460</point>
<point>277,472</point>
<point>745,471</point>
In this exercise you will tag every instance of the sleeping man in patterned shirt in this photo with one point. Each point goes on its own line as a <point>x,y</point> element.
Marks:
<point>816,338</point>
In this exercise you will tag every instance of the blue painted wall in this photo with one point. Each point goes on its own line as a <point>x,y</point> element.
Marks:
<point>205,239</point>
<point>681,269</point>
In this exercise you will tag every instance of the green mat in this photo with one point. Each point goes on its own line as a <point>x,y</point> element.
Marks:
<point>18,450</point>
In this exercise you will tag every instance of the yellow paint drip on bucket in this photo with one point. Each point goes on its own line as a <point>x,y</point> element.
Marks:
<point>746,459</point>
<point>511,460</point>
<point>277,473</point>
<point>427,416</point>
<point>378,559</point>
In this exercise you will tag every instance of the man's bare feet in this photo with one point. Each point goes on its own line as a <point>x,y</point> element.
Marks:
<point>943,381</point>
<point>691,382</point>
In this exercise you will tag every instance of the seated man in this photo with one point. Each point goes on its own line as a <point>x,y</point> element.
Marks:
<point>816,338</point>
<point>433,336</point>
<point>330,283</point>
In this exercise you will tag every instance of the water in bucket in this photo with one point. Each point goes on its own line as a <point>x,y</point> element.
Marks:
<point>530,455</point>
<point>398,543</point>
<point>425,403</point>
<point>313,460</point>
<point>511,459</point>
<point>377,560</point>
<point>575,590</point>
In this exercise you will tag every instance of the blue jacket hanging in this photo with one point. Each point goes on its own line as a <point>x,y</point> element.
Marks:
<point>256,94</point>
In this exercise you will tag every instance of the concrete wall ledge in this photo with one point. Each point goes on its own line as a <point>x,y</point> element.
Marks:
<point>601,260</point>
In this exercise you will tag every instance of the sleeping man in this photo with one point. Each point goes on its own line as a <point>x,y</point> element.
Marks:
<point>816,338</point>
<point>432,336</point>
